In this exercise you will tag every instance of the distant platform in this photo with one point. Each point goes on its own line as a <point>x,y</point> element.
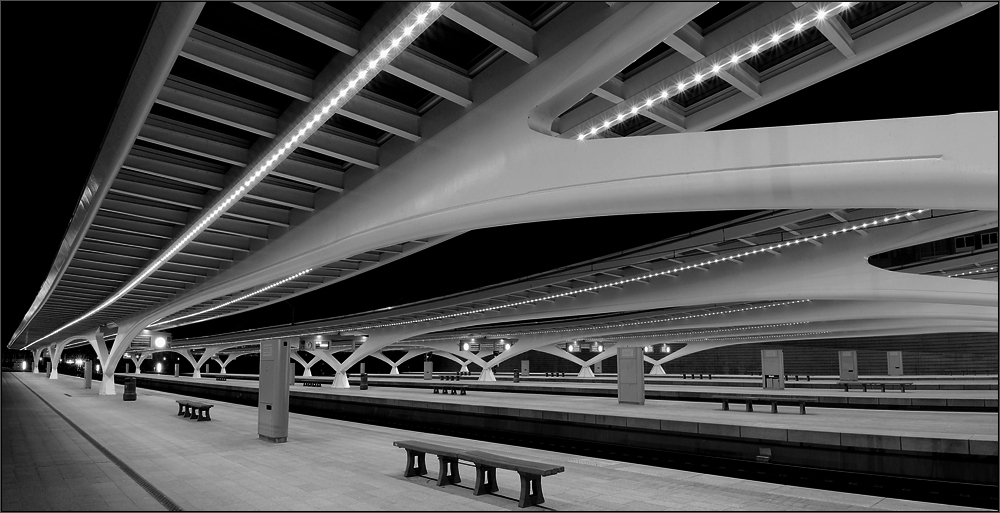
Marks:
<point>928,393</point>
<point>958,449</point>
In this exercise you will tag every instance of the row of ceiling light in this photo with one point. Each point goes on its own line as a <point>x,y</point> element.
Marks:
<point>322,110</point>
<point>697,77</point>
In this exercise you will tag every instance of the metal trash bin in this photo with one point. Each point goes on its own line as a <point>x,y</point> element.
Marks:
<point>364,381</point>
<point>129,394</point>
<point>517,375</point>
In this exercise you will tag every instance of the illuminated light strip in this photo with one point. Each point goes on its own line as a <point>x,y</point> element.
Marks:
<point>905,217</point>
<point>241,298</point>
<point>755,337</point>
<point>984,270</point>
<point>676,270</point>
<point>322,110</point>
<point>698,332</point>
<point>699,76</point>
<point>627,324</point>
<point>327,329</point>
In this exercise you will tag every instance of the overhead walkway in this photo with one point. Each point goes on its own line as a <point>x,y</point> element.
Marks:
<point>336,465</point>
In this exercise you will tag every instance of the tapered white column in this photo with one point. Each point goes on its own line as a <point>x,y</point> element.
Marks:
<point>487,375</point>
<point>37,355</point>
<point>657,370</point>
<point>585,372</point>
<point>55,354</point>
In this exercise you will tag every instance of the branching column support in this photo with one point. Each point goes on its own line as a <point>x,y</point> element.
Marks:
<point>55,354</point>
<point>37,362</point>
<point>137,359</point>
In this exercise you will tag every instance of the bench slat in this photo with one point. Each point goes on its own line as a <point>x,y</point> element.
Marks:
<point>426,447</point>
<point>529,467</point>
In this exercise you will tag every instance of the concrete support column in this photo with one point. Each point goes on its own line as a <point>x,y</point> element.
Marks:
<point>394,371</point>
<point>55,354</point>
<point>657,370</point>
<point>585,372</point>
<point>340,380</point>
<point>37,355</point>
<point>465,368</point>
<point>487,375</point>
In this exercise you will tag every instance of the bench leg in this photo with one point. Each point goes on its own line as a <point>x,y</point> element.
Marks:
<point>187,411</point>
<point>435,390</point>
<point>454,391</point>
<point>180,409</point>
<point>774,406</point>
<point>486,480</point>
<point>531,490</point>
<point>444,477</point>
<point>725,405</point>
<point>749,406</point>
<point>463,392</point>
<point>204,415</point>
<point>802,408</point>
<point>414,464</point>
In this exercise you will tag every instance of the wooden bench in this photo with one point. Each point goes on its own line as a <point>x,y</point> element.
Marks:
<point>773,399</point>
<point>447,460</point>
<point>311,383</point>
<point>193,409</point>
<point>873,384</point>
<point>455,389</point>
<point>531,473</point>
<point>220,378</point>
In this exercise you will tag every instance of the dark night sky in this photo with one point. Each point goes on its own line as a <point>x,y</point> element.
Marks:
<point>63,83</point>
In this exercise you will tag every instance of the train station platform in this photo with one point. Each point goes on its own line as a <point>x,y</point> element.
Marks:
<point>937,393</point>
<point>167,462</point>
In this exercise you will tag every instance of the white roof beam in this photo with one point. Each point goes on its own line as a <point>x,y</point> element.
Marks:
<point>496,27</point>
<point>239,228</point>
<point>451,86</point>
<point>300,200</point>
<point>379,115</point>
<point>355,152</point>
<point>611,91</point>
<point>307,22</point>
<point>158,194</point>
<point>248,68</point>
<point>160,133</point>
<point>835,31</point>
<point>688,42</point>
<point>215,110</point>
<point>310,174</point>
<point>175,172</point>
<point>259,213</point>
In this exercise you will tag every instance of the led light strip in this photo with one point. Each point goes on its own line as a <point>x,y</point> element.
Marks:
<point>698,332</point>
<point>627,324</point>
<point>241,298</point>
<point>755,337</point>
<point>675,270</point>
<point>984,270</point>
<point>697,77</point>
<point>323,108</point>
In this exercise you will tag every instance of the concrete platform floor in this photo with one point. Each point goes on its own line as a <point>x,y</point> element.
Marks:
<point>326,465</point>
